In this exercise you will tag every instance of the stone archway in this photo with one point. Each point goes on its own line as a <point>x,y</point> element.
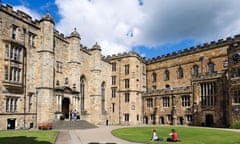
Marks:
<point>161,120</point>
<point>65,107</point>
<point>181,120</point>
<point>145,120</point>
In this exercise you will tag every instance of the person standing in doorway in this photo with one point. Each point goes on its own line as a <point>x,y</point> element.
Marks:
<point>75,115</point>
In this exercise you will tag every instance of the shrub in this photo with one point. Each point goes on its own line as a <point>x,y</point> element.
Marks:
<point>62,117</point>
<point>235,124</point>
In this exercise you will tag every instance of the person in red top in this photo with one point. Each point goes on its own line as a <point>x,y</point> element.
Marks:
<point>174,137</point>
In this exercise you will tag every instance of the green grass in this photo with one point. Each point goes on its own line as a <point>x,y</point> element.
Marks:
<point>28,137</point>
<point>187,135</point>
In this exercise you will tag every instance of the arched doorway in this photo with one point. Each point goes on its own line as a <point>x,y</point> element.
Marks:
<point>161,120</point>
<point>11,123</point>
<point>181,119</point>
<point>209,120</point>
<point>65,107</point>
<point>145,120</point>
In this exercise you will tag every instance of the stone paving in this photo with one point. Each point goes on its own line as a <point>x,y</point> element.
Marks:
<point>100,135</point>
<point>63,138</point>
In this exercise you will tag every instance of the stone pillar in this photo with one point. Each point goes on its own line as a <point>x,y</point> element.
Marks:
<point>157,119</point>
<point>174,114</point>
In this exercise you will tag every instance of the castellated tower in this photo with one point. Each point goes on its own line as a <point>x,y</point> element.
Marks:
<point>45,63</point>
<point>74,60</point>
<point>97,94</point>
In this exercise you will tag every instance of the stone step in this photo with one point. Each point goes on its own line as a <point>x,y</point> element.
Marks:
<point>67,125</point>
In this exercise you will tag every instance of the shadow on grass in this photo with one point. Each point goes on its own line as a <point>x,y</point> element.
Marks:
<point>21,140</point>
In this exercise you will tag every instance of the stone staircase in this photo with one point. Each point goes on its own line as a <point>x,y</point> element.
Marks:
<point>68,125</point>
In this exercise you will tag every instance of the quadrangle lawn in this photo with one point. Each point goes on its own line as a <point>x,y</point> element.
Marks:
<point>28,137</point>
<point>187,135</point>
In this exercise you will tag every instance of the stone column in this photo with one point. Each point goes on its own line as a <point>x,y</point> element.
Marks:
<point>174,114</point>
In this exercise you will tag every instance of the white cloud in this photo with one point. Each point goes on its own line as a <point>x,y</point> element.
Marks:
<point>151,23</point>
<point>106,22</point>
<point>109,47</point>
<point>120,25</point>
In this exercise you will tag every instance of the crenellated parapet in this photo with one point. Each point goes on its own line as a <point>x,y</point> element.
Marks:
<point>197,49</point>
<point>85,49</point>
<point>20,15</point>
<point>125,55</point>
<point>60,36</point>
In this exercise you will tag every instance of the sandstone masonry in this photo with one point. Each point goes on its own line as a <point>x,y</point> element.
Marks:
<point>46,76</point>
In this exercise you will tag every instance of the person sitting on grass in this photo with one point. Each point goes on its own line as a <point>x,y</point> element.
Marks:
<point>155,137</point>
<point>174,137</point>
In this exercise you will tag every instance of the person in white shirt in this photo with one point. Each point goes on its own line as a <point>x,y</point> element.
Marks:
<point>155,137</point>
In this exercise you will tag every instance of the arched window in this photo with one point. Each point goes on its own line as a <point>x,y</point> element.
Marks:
<point>210,67</point>
<point>195,70</point>
<point>166,73</point>
<point>82,94</point>
<point>154,77</point>
<point>103,97</point>
<point>180,73</point>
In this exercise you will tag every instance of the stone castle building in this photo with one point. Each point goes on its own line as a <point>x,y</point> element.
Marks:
<point>45,75</point>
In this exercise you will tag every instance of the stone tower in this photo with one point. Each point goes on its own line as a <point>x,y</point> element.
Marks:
<point>97,96</point>
<point>45,54</point>
<point>74,66</point>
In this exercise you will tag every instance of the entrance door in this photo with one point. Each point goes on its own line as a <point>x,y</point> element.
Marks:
<point>65,107</point>
<point>161,120</point>
<point>181,120</point>
<point>11,123</point>
<point>209,120</point>
<point>145,119</point>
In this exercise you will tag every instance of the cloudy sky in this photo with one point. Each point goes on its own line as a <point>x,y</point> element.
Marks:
<point>150,27</point>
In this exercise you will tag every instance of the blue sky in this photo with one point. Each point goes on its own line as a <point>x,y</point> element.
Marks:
<point>150,27</point>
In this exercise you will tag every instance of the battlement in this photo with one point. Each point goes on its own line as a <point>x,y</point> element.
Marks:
<point>124,55</point>
<point>18,14</point>
<point>198,48</point>
<point>59,35</point>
